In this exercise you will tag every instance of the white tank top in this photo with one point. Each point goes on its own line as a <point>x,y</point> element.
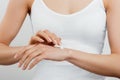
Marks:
<point>84,30</point>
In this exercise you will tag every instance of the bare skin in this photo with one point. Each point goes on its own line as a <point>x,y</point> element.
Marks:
<point>107,65</point>
<point>17,14</point>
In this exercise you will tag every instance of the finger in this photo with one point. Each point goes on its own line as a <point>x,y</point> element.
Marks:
<point>36,61</point>
<point>26,54</point>
<point>21,52</point>
<point>44,36</point>
<point>36,39</point>
<point>53,37</point>
<point>57,39</point>
<point>29,59</point>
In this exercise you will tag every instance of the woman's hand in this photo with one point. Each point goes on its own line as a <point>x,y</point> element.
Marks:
<point>45,37</point>
<point>40,52</point>
<point>42,37</point>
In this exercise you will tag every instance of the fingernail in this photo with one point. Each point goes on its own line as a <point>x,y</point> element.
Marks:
<point>23,68</point>
<point>55,42</point>
<point>19,65</point>
<point>50,40</point>
<point>41,40</point>
<point>29,68</point>
<point>59,44</point>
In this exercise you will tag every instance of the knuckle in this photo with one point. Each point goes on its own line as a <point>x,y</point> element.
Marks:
<point>32,37</point>
<point>46,36</point>
<point>53,34</point>
<point>32,65</point>
<point>27,48</point>
<point>31,56</point>
<point>59,38</point>
<point>21,61</point>
<point>53,37</point>
<point>39,46</point>
<point>37,60</point>
<point>46,30</point>
<point>56,38</point>
<point>25,64</point>
<point>28,52</point>
<point>39,32</point>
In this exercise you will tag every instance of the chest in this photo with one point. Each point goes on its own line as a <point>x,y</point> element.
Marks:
<point>89,22</point>
<point>66,6</point>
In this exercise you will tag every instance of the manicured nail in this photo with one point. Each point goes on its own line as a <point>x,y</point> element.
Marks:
<point>55,42</point>
<point>19,65</point>
<point>50,40</point>
<point>59,43</point>
<point>23,68</point>
<point>41,40</point>
<point>29,68</point>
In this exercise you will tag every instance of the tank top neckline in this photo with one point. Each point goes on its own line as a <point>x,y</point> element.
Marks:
<point>67,15</point>
<point>46,8</point>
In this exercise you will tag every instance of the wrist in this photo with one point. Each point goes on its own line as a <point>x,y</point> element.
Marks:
<point>69,53</point>
<point>15,51</point>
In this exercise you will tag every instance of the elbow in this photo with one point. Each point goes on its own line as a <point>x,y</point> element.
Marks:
<point>8,63</point>
<point>114,67</point>
<point>116,71</point>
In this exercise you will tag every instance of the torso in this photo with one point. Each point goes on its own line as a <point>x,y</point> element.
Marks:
<point>80,26</point>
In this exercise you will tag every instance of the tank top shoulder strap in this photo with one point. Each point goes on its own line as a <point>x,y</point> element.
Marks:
<point>37,2</point>
<point>102,4</point>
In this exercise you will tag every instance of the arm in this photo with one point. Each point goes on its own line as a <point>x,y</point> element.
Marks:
<point>9,27</point>
<point>107,65</point>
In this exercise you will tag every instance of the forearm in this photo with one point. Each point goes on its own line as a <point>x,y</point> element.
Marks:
<point>107,65</point>
<point>7,54</point>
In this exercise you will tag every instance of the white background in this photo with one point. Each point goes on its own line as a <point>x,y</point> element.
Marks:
<point>13,72</point>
